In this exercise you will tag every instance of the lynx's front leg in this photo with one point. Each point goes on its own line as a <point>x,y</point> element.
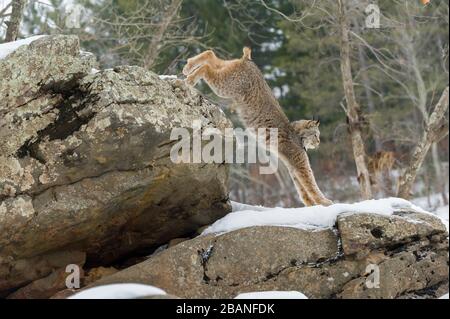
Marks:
<point>297,161</point>
<point>302,192</point>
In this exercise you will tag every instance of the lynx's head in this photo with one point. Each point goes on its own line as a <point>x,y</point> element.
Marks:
<point>309,133</point>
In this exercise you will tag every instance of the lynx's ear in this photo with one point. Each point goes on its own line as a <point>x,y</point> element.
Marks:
<point>316,122</point>
<point>247,53</point>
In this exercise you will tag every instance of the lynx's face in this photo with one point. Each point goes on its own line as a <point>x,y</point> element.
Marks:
<point>309,133</point>
<point>311,139</point>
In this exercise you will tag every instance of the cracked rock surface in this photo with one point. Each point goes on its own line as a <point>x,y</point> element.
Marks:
<point>85,172</point>
<point>406,257</point>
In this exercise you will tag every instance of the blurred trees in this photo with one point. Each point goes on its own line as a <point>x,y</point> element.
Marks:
<point>399,72</point>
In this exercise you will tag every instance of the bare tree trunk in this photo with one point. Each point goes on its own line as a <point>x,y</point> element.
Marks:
<point>353,109</point>
<point>14,22</point>
<point>155,44</point>
<point>370,102</point>
<point>439,173</point>
<point>367,86</point>
<point>435,130</point>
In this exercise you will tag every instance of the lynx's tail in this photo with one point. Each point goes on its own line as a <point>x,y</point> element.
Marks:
<point>247,53</point>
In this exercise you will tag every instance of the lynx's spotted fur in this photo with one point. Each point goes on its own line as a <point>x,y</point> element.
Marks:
<point>242,81</point>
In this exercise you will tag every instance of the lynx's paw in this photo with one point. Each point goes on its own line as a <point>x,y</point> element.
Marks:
<point>326,202</point>
<point>191,81</point>
<point>189,68</point>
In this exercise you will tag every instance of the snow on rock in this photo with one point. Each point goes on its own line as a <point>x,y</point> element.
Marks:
<point>271,295</point>
<point>168,77</point>
<point>444,297</point>
<point>316,217</point>
<point>9,47</point>
<point>119,291</point>
<point>238,207</point>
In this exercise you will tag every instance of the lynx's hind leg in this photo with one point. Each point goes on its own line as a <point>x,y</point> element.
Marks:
<point>205,72</point>
<point>207,57</point>
<point>303,194</point>
<point>215,78</point>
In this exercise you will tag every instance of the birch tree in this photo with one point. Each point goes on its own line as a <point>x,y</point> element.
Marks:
<point>352,107</point>
<point>17,8</point>
<point>435,130</point>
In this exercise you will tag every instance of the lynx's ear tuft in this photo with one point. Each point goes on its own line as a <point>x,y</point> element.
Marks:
<point>247,53</point>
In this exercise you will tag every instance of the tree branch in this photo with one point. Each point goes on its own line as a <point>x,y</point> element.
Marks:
<point>437,128</point>
<point>155,44</point>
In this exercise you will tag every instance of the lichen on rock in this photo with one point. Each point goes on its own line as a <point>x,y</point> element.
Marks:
<point>84,159</point>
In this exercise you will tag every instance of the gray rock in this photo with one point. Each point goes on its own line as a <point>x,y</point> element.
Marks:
<point>218,267</point>
<point>312,262</point>
<point>415,269</point>
<point>362,233</point>
<point>16,272</point>
<point>85,164</point>
<point>44,288</point>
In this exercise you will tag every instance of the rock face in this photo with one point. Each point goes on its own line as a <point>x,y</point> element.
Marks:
<point>84,162</point>
<point>403,255</point>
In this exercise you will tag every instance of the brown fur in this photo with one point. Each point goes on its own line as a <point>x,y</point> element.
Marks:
<point>381,161</point>
<point>380,166</point>
<point>242,81</point>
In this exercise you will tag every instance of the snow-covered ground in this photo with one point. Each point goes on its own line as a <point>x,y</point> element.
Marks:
<point>9,47</point>
<point>443,212</point>
<point>434,204</point>
<point>272,295</point>
<point>119,291</point>
<point>315,217</point>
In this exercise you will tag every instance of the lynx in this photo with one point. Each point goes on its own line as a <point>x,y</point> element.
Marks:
<point>241,81</point>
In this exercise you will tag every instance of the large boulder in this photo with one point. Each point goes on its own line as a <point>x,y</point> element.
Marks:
<point>85,166</point>
<point>405,254</point>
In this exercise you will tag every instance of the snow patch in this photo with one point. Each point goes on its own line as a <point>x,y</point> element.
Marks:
<point>168,77</point>
<point>430,203</point>
<point>238,207</point>
<point>272,295</point>
<point>9,47</point>
<point>444,297</point>
<point>311,218</point>
<point>119,291</point>
<point>443,212</point>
